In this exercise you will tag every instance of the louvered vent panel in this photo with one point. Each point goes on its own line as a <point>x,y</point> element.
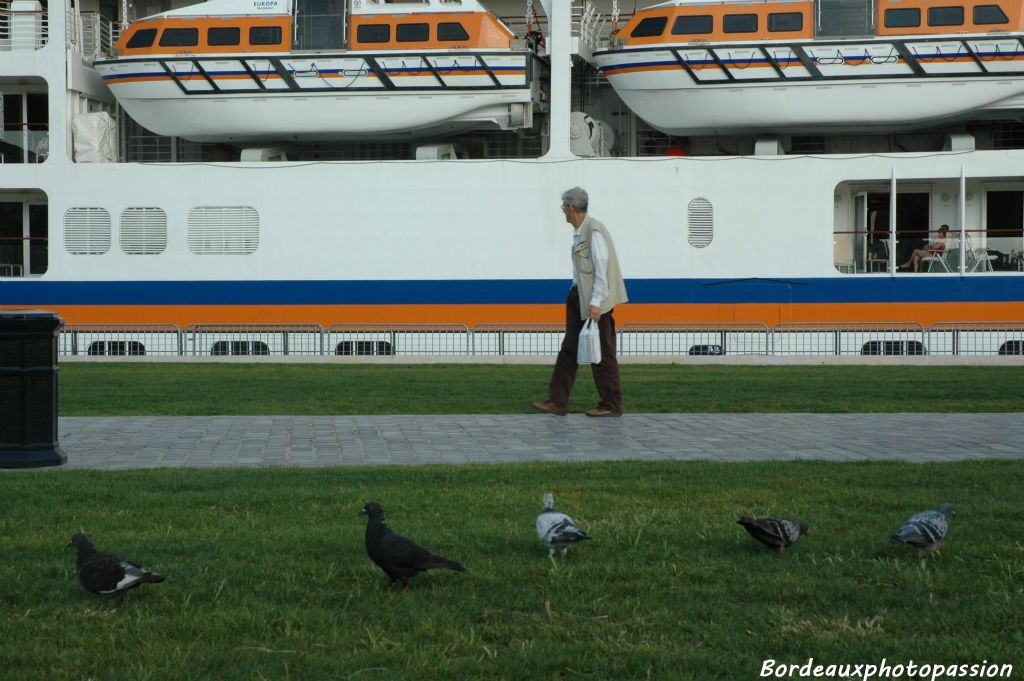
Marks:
<point>223,230</point>
<point>86,231</point>
<point>700,222</point>
<point>143,231</point>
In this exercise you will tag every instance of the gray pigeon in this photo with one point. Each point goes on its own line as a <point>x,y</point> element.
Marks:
<point>556,529</point>
<point>925,530</point>
<point>778,534</point>
<point>108,575</point>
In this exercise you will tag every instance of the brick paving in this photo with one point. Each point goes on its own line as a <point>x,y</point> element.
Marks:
<point>119,443</point>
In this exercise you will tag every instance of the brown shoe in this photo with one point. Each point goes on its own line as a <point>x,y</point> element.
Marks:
<point>550,408</point>
<point>600,411</point>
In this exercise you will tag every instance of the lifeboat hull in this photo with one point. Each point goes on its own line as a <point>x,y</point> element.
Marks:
<point>262,99</point>
<point>883,85</point>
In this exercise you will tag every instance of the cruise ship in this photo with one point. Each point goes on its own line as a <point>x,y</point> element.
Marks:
<point>378,162</point>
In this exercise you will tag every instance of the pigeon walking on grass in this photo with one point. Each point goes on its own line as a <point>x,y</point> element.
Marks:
<point>397,556</point>
<point>106,574</point>
<point>556,529</point>
<point>925,530</point>
<point>778,534</point>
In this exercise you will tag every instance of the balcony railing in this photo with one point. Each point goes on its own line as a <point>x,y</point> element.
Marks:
<point>23,30</point>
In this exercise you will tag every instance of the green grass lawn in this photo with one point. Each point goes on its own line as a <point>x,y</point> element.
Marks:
<point>288,389</point>
<point>267,577</point>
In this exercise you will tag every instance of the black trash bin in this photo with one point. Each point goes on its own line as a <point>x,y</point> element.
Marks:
<point>28,389</point>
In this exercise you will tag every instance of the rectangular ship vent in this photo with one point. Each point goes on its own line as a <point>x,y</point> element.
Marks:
<point>223,230</point>
<point>86,231</point>
<point>143,231</point>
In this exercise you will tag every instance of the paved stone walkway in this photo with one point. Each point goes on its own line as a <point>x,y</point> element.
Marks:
<point>255,441</point>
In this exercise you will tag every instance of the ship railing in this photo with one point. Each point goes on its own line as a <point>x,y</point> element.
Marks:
<point>696,338</point>
<point>23,29</point>
<point>97,34</point>
<point>517,339</point>
<point>588,26</point>
<point>221,340</point>
<point>397,340</point>
<point>101,340</point>
<point>976,338</point>
<point>849,338</point>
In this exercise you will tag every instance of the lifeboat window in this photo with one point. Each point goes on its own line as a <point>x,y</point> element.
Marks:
<point>650,27</point>
<point>945,16</point>
<point>373,33</point>
<point>265,35</point>
<point>412,33</point>
<point>451,30</point>
<point>902,18</point>
<point>693,25</point>
<point>179,37</point>
<point>225,35</point>
<point>144,37</point>
<point>987,14</point>
<point>785,21</point>
<point>739,23</point>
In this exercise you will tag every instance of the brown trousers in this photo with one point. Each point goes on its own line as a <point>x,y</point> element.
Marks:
<point>606,374</point>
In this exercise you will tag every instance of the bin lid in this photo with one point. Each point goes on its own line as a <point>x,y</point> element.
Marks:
<point>28,320</point>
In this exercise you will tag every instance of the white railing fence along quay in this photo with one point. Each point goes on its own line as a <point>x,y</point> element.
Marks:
<point>635,339</point>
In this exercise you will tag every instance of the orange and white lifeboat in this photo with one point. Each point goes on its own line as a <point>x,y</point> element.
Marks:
<point>264,70</point>
<point>747,66</point>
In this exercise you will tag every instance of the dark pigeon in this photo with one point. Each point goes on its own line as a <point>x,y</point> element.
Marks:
<point>397,556</point>
<point>106,574</point>
<point>925,530</point>
<point>778,534</point>
<point>556,529</point>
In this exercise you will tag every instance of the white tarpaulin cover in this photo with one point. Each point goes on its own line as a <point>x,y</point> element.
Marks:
<point>95,136</point>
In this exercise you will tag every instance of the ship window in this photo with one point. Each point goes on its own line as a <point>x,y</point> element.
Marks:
<point>87,231</point>
<point>902,18</point>
<point>451,30</point>
<point>650,27</point>
<point>785,21</point>
<point>143,231</point>
<point>240,348</point>
<point>700,218</point>
<point>693,25</point>
<point>116,348</point>
<point>144,37</point>
<point>412,33</point>
<point>223,230</point>
<point>224,35</point>
<point>989,14</point>
<point>945,16</point>
<point>364,348</point>
<point>739,23</point>
<point>373,33</point>
<point>265,35</point>
<point>179,37</point>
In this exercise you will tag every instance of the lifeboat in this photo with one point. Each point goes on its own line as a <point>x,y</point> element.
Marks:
<point>769,66</point>
<point>269,70</point>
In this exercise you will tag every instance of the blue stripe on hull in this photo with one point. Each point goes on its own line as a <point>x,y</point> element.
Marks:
<point>852,289</point>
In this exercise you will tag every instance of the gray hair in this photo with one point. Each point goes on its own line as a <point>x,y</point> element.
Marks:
<point>577,198</point>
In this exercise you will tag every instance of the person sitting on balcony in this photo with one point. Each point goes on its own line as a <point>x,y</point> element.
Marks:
<point>933,249</point>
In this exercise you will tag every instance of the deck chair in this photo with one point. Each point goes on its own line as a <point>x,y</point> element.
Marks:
<point>979,259</point>
<point>945,261</point>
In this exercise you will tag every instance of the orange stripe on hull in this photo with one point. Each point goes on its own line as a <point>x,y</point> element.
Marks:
<point>471,315</point>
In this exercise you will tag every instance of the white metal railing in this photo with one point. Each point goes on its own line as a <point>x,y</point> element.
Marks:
<point>97,34</point>
<point>693,339</point>
<point>848,338</point>
<point>111,339</point>
<point>397,339</point>
<point>991,339</point>
<point>23,30</point>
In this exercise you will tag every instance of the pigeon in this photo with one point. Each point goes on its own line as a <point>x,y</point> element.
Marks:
<point>925,530</point>
<point>556,529</point>
<point>778,534</point>
<point>397,556</point>
<point>106,574</point>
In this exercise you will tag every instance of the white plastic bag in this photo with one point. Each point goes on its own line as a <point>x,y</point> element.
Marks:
<point>589,350</point>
